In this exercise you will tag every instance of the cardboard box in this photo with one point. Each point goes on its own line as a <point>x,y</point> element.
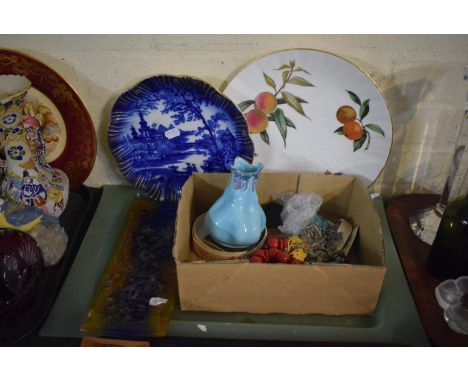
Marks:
<point>332,289</point>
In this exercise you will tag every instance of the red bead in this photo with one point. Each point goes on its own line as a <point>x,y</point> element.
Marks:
<point>280,244</point>
<point>272,253</point>
<point>285,241</point>
<point>283,257</point>
<point>261,253</point>
<point>273,242</point>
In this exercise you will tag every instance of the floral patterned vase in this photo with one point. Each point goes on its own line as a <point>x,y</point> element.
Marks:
<point>28,178</point>
<point>236,219</point>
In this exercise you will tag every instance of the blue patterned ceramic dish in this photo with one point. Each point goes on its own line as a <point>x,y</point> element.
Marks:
<point>167,127</point>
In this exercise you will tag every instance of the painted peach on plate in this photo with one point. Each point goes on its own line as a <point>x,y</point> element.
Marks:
<point>257,121</point>
<point>265,104</point>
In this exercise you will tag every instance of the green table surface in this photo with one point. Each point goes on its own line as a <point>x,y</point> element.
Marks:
<point>395,321</point>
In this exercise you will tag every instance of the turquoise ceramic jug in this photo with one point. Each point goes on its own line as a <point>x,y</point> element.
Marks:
<point>236,219</point>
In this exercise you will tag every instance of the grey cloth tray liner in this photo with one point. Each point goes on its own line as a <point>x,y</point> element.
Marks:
<point>395,321</point>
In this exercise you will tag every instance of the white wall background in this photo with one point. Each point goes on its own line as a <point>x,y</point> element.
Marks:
<point>421,77</point>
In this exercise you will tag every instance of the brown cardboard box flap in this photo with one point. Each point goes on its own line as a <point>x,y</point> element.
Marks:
<point>269,288</point>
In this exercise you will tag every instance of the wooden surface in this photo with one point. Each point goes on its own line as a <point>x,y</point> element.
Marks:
<point>413,254</point>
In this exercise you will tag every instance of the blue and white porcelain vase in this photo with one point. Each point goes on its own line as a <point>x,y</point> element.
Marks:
<point>236,219</point>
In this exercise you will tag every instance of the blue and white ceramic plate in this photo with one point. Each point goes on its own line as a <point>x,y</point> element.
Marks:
<point>167,127</point>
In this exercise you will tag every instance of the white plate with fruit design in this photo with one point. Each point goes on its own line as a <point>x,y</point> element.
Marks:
<point>311,111</point>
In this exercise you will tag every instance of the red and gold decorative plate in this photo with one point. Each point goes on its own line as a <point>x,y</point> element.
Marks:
<point>64,121</point>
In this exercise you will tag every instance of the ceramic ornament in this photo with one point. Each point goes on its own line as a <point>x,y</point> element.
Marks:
<point>311,111</point>
<point>167,127</point>
<point>28,179</point>
<point>236,219</point>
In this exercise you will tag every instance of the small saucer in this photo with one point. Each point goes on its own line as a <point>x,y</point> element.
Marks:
<point>208,249</point>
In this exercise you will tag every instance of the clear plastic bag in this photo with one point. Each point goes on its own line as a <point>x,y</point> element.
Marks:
<point>298,210</point>
<point>53,241</point>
